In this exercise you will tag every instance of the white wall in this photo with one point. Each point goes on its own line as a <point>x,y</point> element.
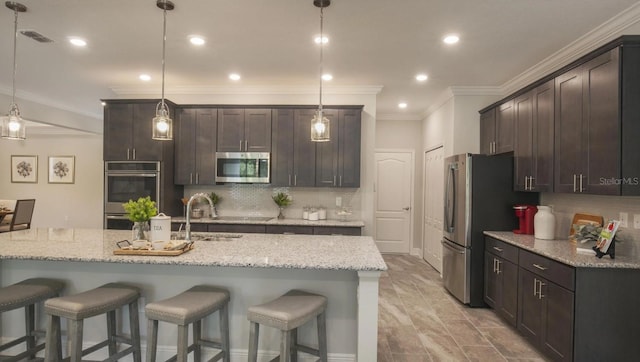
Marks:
<point>406,135</point>
<point>76,205</point>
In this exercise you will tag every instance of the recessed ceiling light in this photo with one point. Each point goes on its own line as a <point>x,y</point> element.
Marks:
<point>234,76</point>
<point>402,105</point>
<point>196,40</point>
<point>421,77</point>
<point>78,42</point>
<point>324,40</point>
<point>327,77</point>
<point>451,39</point>
<point>145,77</point>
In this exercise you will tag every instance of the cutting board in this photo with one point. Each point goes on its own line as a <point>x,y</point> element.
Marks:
<point>152,252</point>
<point>581,219</point>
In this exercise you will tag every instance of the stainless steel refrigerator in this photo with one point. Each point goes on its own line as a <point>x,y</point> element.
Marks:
<point>479,196</point>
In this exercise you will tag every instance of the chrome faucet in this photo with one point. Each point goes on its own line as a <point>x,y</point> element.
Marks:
<point>188,224</point>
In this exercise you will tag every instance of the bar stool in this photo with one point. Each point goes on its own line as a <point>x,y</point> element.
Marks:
<point>75,308</point>
<point>190,307</point>
<point>27,294</point>
<point>287,313</point>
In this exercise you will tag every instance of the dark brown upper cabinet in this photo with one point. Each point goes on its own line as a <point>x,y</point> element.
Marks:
<point>127,131</point>
<point>293,156</point>
<point>534,139</point>
<point>496,129</point>
<point>338,161</point>
<point>244,130</point>
<point>195,146</point>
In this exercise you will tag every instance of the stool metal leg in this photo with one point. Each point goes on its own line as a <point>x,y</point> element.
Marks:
<point>152,340</point>
<point>134,327</point>
<point>285,346</point>
<point>322,336</point>
<point>253,341</point>
<point>197,336</point>
<point>224,331</point>
<point>294,345</point>
<point>111,332</point>
<point>183,343</point>
<point>75,334</point>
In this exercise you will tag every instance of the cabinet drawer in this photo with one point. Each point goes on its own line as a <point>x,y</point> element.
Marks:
<point>198,227</point>
<point>500,248</point>
<point>237,228</point>
<point>554,271</point>
<point>289,229</point>
<point>337,230</point>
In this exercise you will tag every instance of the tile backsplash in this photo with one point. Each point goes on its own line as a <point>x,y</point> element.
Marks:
<point>255,200</point>
<point>566,205</point>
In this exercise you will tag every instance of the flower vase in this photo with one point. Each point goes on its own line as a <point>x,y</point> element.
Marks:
<point>139,230</point>
<point>281,215</point>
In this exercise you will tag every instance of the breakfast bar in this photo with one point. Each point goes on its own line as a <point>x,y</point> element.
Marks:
<point>255,268</point>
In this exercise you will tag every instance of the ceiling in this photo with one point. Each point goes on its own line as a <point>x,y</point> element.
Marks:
<point>270,43</point>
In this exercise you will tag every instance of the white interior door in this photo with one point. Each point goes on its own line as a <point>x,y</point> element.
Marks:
<point>393,201</point>
<point>433,207</point>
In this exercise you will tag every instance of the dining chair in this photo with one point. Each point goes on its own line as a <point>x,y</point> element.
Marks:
<point>21,216</point>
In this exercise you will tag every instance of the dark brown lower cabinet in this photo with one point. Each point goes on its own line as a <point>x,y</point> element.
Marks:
<point>289,229</point>
<point>501,286</point>
<point>337,230</point>
<point>546,315</point>
<point>271,229</point>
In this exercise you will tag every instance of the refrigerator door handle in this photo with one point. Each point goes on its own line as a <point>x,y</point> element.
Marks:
<point>448,246</point>
<point>450,198</point>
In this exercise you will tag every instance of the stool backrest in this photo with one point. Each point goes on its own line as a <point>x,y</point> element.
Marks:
<point>23,213</point>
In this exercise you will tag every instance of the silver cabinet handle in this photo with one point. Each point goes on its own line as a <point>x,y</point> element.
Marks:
<point>531,183</point>
<point>289,179</point>
<point>539,267</point>
<point>574,182</point>
<point>334,180</point>
<point>240,145</point>
<point>295,180</point>
<point>191,178</point>
<point>526,178</point>
<point>134,153</point>
<point>535,287</point>
<point>540,284</point>
<point>128,154</point>
<point>498,262</point>
<point>340,180</point>
<point>581,183</point>
<point>197,178</point>
<point>494,264</point>
<point>497,249</point>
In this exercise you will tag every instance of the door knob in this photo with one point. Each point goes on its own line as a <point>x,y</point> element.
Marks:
<point>406,208</point>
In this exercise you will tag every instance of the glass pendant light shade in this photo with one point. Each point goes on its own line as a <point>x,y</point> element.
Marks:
<point>13,125</point>
<point>320,128</point>
<point>162,123</point>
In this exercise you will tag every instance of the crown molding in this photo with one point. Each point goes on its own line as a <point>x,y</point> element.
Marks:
<point>476,91</point>
<point>248,90</point>
<point>32,97</point>
<point>595,38</point>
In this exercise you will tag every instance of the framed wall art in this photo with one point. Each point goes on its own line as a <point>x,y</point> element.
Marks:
<point>62,169</point>
<point>24,169</point>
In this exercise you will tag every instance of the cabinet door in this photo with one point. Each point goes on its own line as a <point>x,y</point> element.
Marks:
<point>543,137</point>
<point>185,148</point>
<point>529,307</point>
<point>504,127</point>
<point>491,285</point>
<point>523,152</point>
<point>257,130</point>
<point>557,321</point>
<point>349,148</point>
<point>237,228</point>
<point>568,126</point>
<point>289,229</point>
<point>508,291</point>
<point>145,148</point>
<point>205,146</point>
<point>337,230</point>
<point>327,153</point>
<point>230,130</point>
<point>487,131</point>
<point>304,151</point>
<point>118,139</point>
<point>601,124</point>
<point>282,148</point>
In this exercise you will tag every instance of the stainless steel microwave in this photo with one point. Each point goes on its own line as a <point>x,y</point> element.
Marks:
<point>243,167</point>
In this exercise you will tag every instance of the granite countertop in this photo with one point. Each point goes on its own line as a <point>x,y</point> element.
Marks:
<point>315,252</point>
<point>565,251</point>
<point>272,221</point>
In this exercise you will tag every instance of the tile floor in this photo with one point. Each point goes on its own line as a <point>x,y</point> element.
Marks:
<point>419,321</point>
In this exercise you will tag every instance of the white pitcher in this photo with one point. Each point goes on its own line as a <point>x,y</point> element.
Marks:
<point>160,228</point>
<point>544,223</point>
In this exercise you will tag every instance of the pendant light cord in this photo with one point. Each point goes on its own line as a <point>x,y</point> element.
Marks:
<point>15,41</point>
<point>321,58</point>
<point>164,40</point>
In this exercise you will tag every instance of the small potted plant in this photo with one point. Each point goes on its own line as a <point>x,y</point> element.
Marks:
<point>215,198</point>
<point>282,200</point>
<point>140,212</point>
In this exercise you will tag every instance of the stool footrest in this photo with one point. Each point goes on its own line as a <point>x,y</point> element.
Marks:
<point>21,356</point>
<point>307,349</point>
<point>15,342</point>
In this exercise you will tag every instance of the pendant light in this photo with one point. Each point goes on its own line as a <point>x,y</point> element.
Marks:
<point>320,130</point>
<point>162,123</point>
<point>13,125</point>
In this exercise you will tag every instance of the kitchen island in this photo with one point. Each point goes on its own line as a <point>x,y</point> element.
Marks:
<point>254,267</point>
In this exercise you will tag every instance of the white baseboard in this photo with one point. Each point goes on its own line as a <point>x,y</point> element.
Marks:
<point>416,252</point>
